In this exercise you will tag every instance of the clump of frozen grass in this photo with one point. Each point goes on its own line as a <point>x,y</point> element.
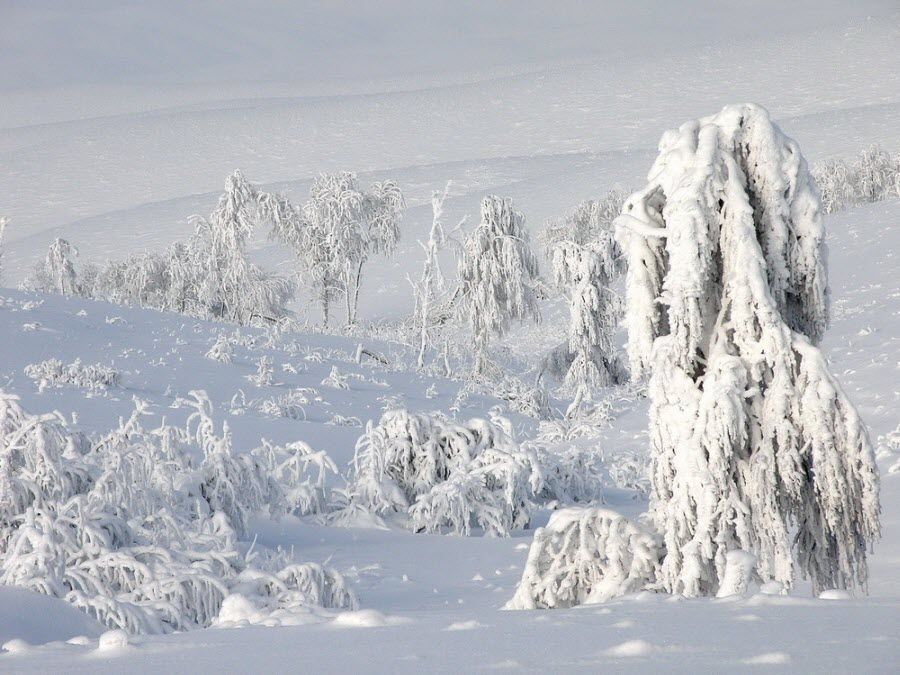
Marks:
<point>134,530</point>
<point>54,373</point>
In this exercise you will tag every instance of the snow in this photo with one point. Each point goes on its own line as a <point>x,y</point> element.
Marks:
<point>111,141</point>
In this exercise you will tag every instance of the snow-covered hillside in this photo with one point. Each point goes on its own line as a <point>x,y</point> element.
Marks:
<point>430,601</point>
<point>121,120</point>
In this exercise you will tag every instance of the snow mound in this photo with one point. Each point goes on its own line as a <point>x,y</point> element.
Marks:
<point>367,618</point>
<point>768,659</point>
<point>631,648</point>
<point>465,625</point>
<point>37,618</point>
<point>112,640</point>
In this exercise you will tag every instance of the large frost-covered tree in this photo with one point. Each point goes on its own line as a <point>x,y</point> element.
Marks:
<point>496,274</point>
<point>755,445</point>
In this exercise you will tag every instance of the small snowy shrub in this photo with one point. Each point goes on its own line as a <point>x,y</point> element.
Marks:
<point>443,477</point>
<point>336,379</point>
<point>264,372</point>
<point>290,405</point>
<point>134,531</point>
<point>54,373</point>
<point>586,556</point>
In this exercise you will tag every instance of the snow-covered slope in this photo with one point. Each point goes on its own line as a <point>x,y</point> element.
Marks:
<point>433,602</point>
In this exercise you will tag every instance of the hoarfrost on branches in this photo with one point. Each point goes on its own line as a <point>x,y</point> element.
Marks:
<point>443,477</point>
<point>755,446</point>
<point>496,275</point>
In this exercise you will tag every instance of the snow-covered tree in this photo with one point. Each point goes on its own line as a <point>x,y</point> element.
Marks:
<point>56,273</point>
<point>496,275</point>
<point>336,232</point>
<point>231,287</point>
<point>755,445</point>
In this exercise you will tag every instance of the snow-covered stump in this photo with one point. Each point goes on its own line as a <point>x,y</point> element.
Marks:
<point>586,556</point>
<point>755,446</point>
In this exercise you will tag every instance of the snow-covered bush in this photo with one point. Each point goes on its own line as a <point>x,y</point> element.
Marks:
<point>208,276</point>
<point>133,530</point>
<point>755,446</point>
<point>496,275</point>
<point>443,477</point>
<point>586,556</point>
<point>289,405</point>
<point>54,373</point>
<point>873,176</point>
<point>569,474</point>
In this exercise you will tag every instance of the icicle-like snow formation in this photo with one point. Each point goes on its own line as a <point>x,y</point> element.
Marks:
<point>755,445</point>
